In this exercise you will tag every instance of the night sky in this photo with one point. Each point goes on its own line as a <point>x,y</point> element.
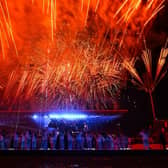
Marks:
<point>156,37</point>
<point>160,30</point>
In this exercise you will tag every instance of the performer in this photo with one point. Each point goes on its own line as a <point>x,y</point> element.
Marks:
<point>89,140</point>
<point>85,127</point>
<point>28,140</point>
<point>145,138</point>
<point>78,141</point>
<point>34,142</point>
<point>99,141</point>
<point>16,141</point>
<point>2,144</point>
<point>44,144</point>
<point>55,138</point>
<point>61,141</point>
<point>70,140</point>
<point>116,142</point>
<point>162,138</point>
<point>22,141</point>
<point>123,141</point>
<point>110,144</point>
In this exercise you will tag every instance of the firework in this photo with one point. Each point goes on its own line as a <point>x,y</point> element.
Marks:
<point>69,52</point>
<point>6,33</point>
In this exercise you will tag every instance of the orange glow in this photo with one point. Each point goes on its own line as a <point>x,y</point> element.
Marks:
<point>68,51</point>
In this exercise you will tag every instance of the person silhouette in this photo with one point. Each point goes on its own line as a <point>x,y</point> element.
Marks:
<point>162,138</point>
<point>145,137</point>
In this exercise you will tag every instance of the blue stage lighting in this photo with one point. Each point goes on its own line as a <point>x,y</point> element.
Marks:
<point>35,116</point>
<point>45,117</point>
<point>68,116</point>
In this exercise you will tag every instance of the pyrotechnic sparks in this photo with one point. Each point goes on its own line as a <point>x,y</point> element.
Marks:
<point>61,81</point>
<point>147,82</point>
<point>97,5</point>
<point>69,51</point>
<point>87,13</point>
<point>159,7</point>
<point>6,33</point>
<point>50,5</point>
<point>82,1</point>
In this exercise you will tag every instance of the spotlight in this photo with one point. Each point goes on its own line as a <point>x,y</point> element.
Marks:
<point>45,117</point>
<point>35,116</point>
<point>68,116</point>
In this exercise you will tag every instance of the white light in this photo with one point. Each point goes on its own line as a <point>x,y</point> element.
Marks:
<point>68,116</point>
<point>45,116</point>
<point>35,116</point>
<point>54,116</point>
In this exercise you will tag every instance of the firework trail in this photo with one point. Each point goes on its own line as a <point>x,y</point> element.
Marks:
<point>6,33</point>
<point>147,82</point>
<point>69,52</point>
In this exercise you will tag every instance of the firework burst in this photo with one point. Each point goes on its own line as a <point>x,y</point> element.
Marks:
<point>69,52</point>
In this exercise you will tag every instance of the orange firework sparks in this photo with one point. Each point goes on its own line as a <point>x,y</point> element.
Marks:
<point>69,52</point>
<point>6,28</point>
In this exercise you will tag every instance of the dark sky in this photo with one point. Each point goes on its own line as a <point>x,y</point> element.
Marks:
<point>156,36</point>
<point>156,39</point>
<point>160,30</point>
